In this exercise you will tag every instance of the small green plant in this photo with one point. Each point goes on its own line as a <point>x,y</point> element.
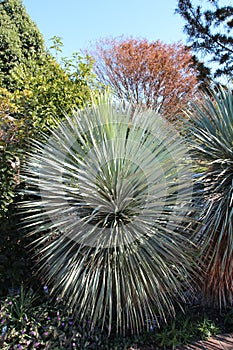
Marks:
<point>176,332</point>
<point>207,328</point>
<point>184,329</point>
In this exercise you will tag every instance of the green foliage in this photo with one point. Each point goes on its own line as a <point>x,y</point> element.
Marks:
<point>8,180</point>
<point>9,151</point>
<point>185,329</point>
<point>38,89</point>
<point>45,90</point>
<point>20,39</point>
<point>14,259</point>
<point>42,90</point>
<point>207,328</point>
<point>57,45</point>
<point>211,129</point>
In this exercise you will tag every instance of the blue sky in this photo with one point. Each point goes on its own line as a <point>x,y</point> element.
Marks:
<point>81,23</point>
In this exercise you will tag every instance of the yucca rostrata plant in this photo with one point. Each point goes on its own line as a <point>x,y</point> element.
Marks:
<point>211,125</point>
<point>113,186</point>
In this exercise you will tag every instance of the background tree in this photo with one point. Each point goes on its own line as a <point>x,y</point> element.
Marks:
<point>210,31</point>
<point>204,76</point>
<point>20,39</point>
<point>156,75</point>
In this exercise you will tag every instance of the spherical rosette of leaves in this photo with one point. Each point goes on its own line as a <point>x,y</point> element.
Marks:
<point>111,188</point>
<point>211,131</point>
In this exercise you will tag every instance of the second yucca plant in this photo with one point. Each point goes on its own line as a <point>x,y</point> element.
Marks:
<point>211,127</point>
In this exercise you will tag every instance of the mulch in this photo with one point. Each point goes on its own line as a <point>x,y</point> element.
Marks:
<point>219,342</point>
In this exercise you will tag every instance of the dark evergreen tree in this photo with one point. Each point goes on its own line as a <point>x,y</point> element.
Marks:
<point>20,39</point>
<point>209,27</point>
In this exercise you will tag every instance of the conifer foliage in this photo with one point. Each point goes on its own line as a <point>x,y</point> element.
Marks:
<point>209,27</point>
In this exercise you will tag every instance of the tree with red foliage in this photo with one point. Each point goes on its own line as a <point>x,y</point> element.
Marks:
<point>153,74</point>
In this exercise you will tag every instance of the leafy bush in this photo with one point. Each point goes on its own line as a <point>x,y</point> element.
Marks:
<point>14,258</point>
<point>42,90</point>
<point>45,90</point>
<point>9,151</point>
